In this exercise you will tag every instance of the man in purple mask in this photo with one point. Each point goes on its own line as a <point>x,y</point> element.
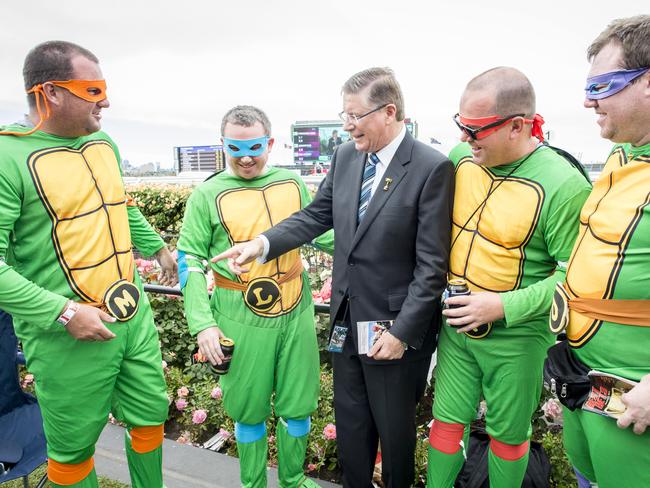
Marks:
<point>607,285</point>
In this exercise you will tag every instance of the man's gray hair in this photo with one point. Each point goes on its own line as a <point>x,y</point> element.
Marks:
<point>246,116</point>
<point>383,88</point>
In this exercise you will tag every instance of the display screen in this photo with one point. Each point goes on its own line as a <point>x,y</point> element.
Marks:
<point>199,158</point>
<point>316,143</point>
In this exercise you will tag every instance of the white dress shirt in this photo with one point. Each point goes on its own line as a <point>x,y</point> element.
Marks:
<point>385,156</point>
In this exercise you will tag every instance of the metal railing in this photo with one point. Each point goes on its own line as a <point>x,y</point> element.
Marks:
<point>167,290</point>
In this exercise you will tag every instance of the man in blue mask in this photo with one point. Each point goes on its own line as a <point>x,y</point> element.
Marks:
<point>267,312</point>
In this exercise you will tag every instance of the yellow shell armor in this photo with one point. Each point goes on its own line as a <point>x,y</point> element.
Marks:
<point>607,221</point>
<point>489,251</point>
<point>80,225</point>
<point>247,212</point>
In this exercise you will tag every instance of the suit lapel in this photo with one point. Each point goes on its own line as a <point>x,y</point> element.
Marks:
<point>389,182</point>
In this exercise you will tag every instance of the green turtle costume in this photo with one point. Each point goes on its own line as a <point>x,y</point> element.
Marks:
<point>66,234</point>
<point>610,262</point>
<point>268,312</point>
<point>513,229</point>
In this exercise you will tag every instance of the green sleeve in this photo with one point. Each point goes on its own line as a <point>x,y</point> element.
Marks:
<point>324,242</point>
<point>534,301</point>
<point>18,296</point>
<point>193,248</point>
<point>143,237</point>
<point>197,303</point>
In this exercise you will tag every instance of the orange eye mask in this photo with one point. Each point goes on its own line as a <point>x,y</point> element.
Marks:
<point>89,90</point>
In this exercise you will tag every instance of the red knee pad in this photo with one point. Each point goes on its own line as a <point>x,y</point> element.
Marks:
<point>146,439</point>
<point>508,452</point>
<point>446,437</point>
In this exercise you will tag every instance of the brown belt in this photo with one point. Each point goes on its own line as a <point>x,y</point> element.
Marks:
<point>227,284</point>
<point>626,312</point>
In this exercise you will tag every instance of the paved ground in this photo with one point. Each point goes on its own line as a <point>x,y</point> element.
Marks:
<point>183,466</point>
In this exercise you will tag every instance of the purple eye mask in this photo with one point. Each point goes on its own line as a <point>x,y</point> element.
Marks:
<point>608,84</point>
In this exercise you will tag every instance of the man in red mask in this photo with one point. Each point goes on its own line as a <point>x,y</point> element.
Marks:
<point>514,222</point>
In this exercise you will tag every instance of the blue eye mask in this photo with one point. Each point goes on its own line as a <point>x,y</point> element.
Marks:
<point>239,148</point>
<point>608,84</point>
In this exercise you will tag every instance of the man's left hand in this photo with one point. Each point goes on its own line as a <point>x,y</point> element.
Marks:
<point>637,401</point>
<point>387,347</point>
<point>474,310</point>
<point>168,268</point>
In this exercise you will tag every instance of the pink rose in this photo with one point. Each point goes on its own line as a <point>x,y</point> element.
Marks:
<point>181,404</point>
<point>216,393</point>
<point>552,409</point>
<point>224,433</point>
<point>326,290</point>
<point>199,416</point>
<point>183,391</point>
<point>311,467</point>
<point>329,432</point>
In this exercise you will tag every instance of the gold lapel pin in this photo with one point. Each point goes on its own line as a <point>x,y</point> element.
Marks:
<point>387,182</point>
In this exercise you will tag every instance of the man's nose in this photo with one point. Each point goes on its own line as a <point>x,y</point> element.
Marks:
<point>589,103</point>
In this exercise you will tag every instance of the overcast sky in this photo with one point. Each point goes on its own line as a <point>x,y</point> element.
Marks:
<point>174,67</point>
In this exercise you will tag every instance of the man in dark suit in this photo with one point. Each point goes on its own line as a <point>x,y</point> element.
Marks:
<point>389,199</point>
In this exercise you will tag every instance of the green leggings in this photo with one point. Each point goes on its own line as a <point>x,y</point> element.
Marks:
<point>79,383</point>
<point>280,362</point>
<point>604,453</point>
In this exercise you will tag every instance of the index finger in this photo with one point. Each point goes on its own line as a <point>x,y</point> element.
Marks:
<point>375,347</point>
<point>459,300</point>
<point>624,420</point>
<point>229,253</point>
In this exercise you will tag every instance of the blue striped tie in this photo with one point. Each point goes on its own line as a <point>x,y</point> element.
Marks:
<point>366,185</point>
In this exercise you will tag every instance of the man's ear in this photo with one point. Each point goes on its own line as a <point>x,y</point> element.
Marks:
<point>517,126</point>
<point>52,94</point>
<point>270,144</point>
<point>391,111</point>
<point>645,79</point>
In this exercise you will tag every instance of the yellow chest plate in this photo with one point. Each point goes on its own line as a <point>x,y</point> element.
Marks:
<point>84,196</point>
<point>490,235</point>
<point>247,212</point>
<point>607,221</point>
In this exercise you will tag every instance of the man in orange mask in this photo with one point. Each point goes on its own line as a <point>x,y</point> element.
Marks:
<point>67,274</point>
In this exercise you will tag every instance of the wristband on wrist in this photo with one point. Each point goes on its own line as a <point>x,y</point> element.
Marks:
<point>70,309</point>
